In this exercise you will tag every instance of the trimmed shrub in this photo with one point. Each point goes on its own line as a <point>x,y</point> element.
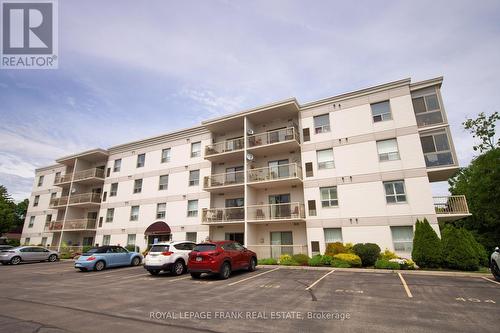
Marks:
<point>326,260</point>
<point>458,251</point>
<point>316,260</point>
<point>388,255</point>
<point>427,249</point>
<point>335,248</point>
<point>301,259</point>
<point>352,259</point>
<point>386,264</point>
<point>481,254</point>
<point>267,261</point>
<point>368,252</point>
<point>340,263</point>
<point>287,260</point>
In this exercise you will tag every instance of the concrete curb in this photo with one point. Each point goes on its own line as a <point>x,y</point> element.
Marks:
<point>384,271</point>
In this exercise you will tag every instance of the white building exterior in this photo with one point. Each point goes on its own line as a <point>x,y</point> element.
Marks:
<point>281,178</point>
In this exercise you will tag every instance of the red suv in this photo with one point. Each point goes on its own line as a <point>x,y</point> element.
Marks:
<point>220,258</point>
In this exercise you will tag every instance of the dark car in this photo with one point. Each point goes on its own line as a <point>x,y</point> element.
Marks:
<point>221,257</point>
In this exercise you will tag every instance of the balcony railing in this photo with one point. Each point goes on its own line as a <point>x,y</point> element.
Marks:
<point>85,224</point>
<point>76,199</point>
<point>90,173</point>
<point>280,135</point>
<point>283,211</point>
<point>454,204</point>
<point>63,179</point>
<point>229,214</point>
<point>224,179</point>
<point>224,147</point>
<point>54,226</point>
<point>284,171</point>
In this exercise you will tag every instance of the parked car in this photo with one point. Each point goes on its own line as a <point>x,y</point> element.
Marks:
<point>221,257</point>
<point>102,257</point>
<point>168,256</point>
<point>495,263</point>
<point>16,255</point>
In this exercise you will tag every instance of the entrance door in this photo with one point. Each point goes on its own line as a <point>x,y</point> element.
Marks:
<point>280,206</point>
<point>278,169</point>
<point>153,239</point>
<point>281,238</point>
<point>235,236</point>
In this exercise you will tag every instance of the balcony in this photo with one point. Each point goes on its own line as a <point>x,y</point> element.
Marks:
<point>290,174</point>
<point>224,182</point>
<point>90,176</point>
<point>64,179</point>
<point>285,139</point>
<point>71,225</point>
<point>276,212</point>
<point>81,200</point>
<point>451,208</point>
<point>53,226</point>
<point>225,150</point>
<point>223,215</point>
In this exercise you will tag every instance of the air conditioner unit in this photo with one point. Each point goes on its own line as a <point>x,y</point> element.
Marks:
<point>250,131</point>
<point>250,157</point>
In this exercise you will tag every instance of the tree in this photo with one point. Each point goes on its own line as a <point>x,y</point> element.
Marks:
<point>458,251</point>
<point>21,210</point>
<point>427,251</point>
<point>483,127</point>
<point>7,211</point>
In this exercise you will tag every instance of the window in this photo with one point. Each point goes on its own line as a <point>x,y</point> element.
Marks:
<point>57,178</point>
<point>27,241</point>
<point>322,124</point>
<point>165,155</point>
<point>117,165</point>
<point>44,241</point>
<point>141,159</point>
<point>108,172</point>
<point>381,111</point>
<point>109,214</point>
<point>426,107</point>
<point>113,191</point>
<point>104,196</point>
<point>332,235</point>
<point>163,183</point>
<point>100,221</point>
<point>311,206</point>
<point>134,213</point>
<point>192,208</point>
<point>131,239</point>
<point>388,150</point>
<point>106,239</point>
<point>32,222</point>
<point>194,177</point>
<point>402,238</point>
<point>48,218</point>
<point>315,247</point>
<point>437,150</point>
<point>53,196</point>
<point>306,135</point>
<point>36,200</point>
<point>309,169</point>
<point>191,236</point>
<point>161,210</point>
<point>329,196</point>
<point>40,181</point>
<point>138,186</point>
<point>196,149</point>
<point>395,191</point>
<point>325,159</point>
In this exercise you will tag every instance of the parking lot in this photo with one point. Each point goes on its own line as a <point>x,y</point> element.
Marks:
<point>54,297</point>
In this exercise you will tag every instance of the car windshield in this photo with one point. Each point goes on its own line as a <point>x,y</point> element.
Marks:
<point>96,250</point>
<point>159,248</point>
<point>204,247</point>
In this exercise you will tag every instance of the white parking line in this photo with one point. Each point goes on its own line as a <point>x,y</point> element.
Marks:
<point>408,292</point>
<point>321,278</point>
<point>251,277</point>
<point>487,279</point>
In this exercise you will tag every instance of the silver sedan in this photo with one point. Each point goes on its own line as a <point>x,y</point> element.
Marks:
<point>20,254</point>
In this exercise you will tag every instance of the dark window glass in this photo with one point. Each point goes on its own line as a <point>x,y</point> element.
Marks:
<point>309,169</point>
<point>306,134</point>
<point>311,204</point>
<point>159,248</point>
<point>204,247</point>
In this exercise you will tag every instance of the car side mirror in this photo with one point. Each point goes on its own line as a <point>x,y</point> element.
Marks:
<point>497,249</point>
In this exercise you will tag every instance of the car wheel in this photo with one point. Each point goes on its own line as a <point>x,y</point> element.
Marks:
<point>15,260</point>
<point>136,261</point>
<point>99,266</point>
<point>178,268</point>
<point>225,270</point>
<point>52,258</point>
<point>154,271</point>
<point>251,266</point>
<point>195,275</point>
<point>495,271</point>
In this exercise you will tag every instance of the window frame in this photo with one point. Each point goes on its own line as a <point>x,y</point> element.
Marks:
<point>36,200</point>
<point>388,101</point>
<point>192,213</point>
<point>161,214</point>
<point>333,230</point>
<point>166,159</point>
<point>117,168</point>
<point>161,186</point>
<point>326,164</point>
<point>194,181</point>
<point>137,189</point>
<point>109,217</point>
<point>31,221</point>
<point>195,153</point>
<point>134,213</point>
<point>331,201</point>
<point>395,194</point>
<point>407,244</point>
<point>322,128</point>
<point>40,180</point>
<point>111,192</point>
<point>394,153</point>
<point>128,239</point>
<point>106,240</point>
<point>141,160</point>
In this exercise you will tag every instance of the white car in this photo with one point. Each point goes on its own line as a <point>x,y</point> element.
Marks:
<point>168,256</point>
<point>495,263</point>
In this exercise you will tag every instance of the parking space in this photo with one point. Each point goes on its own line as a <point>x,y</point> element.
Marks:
<point>126,297</point>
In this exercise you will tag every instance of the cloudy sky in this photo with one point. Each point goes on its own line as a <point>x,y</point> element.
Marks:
<point>133,69</point>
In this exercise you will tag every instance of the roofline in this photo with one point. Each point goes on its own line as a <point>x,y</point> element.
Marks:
<point>48,167</point>
<point>427,83</point>
<point>87,152</point>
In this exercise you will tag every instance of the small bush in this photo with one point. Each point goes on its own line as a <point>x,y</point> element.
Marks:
<point>427,249</point>
<point>386,264</point>
<point>406,264</point>
<point>352,259</point>
<point>340,263</point>
<point>316,260</point>
<point>267,261</point>
<point>326,260</point>
<point>287,260</point>
<point>458,251</point>
<point>13,242</point>
<point>301,259</point>
<point>335,248</point>
<point>368,252</point>
<point>349,248</point>
<point>388,255</point>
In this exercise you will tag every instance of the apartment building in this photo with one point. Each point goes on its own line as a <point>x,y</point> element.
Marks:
<point>281,178</point>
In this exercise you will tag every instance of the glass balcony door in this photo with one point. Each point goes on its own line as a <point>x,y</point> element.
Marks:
<point>278,169</point>
<point>281,238</point>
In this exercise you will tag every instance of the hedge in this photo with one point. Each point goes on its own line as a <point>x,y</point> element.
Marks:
<point>386,264</point>
<point>368,252</point>
<point>267,261</point>
<point>458,251</point>
<point>301,259</point>
<point>427,250</point>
